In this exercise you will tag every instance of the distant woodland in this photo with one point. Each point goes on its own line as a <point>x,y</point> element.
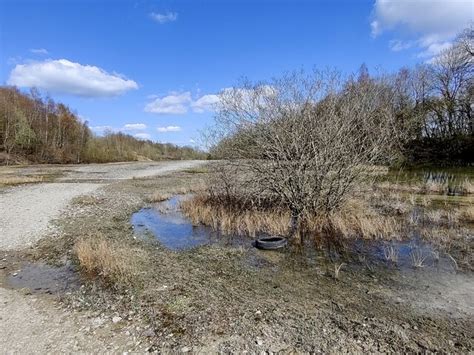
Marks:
<point>428,109</point>
<point>39,130</point>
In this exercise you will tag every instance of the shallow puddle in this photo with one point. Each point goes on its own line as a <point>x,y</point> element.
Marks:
<point>42,278</point>
<point>166,223</point>
<point>442,288</point>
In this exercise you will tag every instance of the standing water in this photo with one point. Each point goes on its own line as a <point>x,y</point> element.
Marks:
<point>176,232</point>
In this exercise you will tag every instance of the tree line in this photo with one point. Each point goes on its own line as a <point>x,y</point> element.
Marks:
<point>40,130</point>
<point>431,106</point>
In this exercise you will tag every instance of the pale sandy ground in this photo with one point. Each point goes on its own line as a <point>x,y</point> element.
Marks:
<point>36,324</point>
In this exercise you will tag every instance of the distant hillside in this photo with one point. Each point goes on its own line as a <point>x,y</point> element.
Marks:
<point>39,130</point>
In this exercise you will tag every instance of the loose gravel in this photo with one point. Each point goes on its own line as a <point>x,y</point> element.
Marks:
<point>26,211</point>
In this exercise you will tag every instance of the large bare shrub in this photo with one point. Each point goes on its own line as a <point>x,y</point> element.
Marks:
<point>303,141</point>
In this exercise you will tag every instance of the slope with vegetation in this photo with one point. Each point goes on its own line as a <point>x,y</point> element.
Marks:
<point>39,130</point>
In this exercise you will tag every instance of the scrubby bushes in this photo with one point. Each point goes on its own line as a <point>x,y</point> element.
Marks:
<point>302,143</point>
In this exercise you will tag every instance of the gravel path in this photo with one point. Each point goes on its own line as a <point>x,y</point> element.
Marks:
<point>27,210</point>
<point>34,325</point>
<point>30,324</point>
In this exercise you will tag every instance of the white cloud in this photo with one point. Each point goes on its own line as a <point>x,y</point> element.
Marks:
<point>432,48</point>
<point>205,103</point>
<point>40,51</point>
<point>397,45</point>
<point>164,18</point>
<point>168,129</point>
<point>144,136</point>
<point>64,76</point>
<point>134,127</point>
<point>173,104</point>
<point>432,23</point>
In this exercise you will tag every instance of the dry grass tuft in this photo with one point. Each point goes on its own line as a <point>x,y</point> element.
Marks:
<point>466,213</point>
<point>390,253</point>
<point>201,209</point>
<point>355,220</point>
<point>417,257</point>
<point>365,223</point>
<point>337,269</point>
<point>160,196</point>
<point>449,218</point>
<point>467,186</point>
<point>114,262</point>
<point>18,180</point>
<point>86,200</point>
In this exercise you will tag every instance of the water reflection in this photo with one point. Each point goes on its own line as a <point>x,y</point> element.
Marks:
<point>167,224</point>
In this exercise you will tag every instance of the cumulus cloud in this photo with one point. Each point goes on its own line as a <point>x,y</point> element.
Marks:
<point>40,51</point>
<point>64,76</point>
<point>164,18</point>
<point>181,103</point>
<point>432,24</point>
<point>205,103</point>
<point>168,129</point>
<point>134,127</point>
<point>143,136</point>
<point>173,104</point>
<point>397,45</point>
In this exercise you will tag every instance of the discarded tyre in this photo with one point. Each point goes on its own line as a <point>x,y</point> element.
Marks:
<point>270,243</point>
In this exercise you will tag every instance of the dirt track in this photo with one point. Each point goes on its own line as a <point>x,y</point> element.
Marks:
<point>30,324</point>
<point>27,210</point>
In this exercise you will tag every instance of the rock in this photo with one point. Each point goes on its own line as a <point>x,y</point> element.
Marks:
<point>149,333</point>
<point>259,342</point>
<point>116,319</point>
<point>185,349</point>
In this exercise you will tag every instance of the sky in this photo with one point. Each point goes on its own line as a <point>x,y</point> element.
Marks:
<point>153,68</point>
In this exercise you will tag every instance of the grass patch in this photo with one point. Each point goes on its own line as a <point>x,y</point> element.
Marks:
<point>86,200</point>
<point>196,171</point>
<point>19,180</point>
<point>356,219</point>
<point>114,262</point>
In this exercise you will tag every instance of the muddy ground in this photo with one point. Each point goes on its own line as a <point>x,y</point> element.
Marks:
<point>236,298</point>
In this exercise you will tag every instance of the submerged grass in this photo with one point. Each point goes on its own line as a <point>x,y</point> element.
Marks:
<point>229,219</point>
<point>463,187</point>
<point>356,219</point>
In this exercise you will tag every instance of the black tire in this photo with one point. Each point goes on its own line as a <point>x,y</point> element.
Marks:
<point>270,243</point>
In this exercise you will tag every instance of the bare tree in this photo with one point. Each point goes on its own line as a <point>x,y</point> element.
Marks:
<point>302,141</point>
<point>452,84</point>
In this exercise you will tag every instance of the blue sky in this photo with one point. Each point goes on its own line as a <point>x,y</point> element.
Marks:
<point>152,68</point>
